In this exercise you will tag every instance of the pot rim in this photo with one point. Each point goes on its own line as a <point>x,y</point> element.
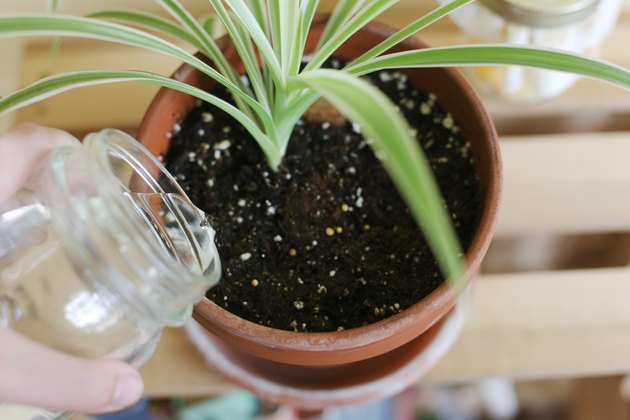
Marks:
<point>313,348</point>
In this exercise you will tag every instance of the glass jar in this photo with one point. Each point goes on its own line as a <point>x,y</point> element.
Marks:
<point>578,26</point>
<point>101,250</point>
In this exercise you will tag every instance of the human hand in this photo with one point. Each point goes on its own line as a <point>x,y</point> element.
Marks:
<point>31,373</point>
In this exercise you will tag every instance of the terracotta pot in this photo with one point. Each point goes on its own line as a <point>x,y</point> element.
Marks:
<point>369,342</point>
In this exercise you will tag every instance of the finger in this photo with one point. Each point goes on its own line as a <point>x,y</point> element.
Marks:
<point>33,374</point>
<point>23,151</point>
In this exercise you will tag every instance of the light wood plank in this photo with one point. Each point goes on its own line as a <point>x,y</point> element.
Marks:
<point>535,325</point>
<point>119,105</point>
<point>573,179</point>
<point>10,69</point>
<point>567,183</point>
<point>196,6</point>
<point>177,369</point>
<point>588,106</point>
<point>543,325</point>
<point>82,7</point>
<point>554,184</point>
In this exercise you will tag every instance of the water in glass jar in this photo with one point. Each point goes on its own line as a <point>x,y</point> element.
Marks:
<point>43,293</point>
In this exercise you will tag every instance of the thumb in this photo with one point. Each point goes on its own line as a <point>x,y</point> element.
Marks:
<point>23,151</point>
<point>33,374</point>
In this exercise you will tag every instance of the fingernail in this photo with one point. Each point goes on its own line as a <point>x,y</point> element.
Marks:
<point>128,391</point>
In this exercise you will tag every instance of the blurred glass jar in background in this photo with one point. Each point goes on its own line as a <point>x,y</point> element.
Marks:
<point>578,26</point>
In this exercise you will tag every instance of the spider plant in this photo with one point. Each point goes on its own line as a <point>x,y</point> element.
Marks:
<point>270,37</point>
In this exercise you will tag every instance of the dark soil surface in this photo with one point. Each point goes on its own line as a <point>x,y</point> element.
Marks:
<point>326,243</point>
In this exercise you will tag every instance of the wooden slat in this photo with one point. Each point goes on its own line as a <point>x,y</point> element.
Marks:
<point>92,108</point>
<point>553,184</point>
<point>598,398</point>
<point>542,325</point>
<point>535,325</point>
<point>588,106</point>
<point>176,369</point>
<point>406,7</point>
<point>10,68</point>
<point>572,183</point>
<point>574,168</point>
<point>81,7</point>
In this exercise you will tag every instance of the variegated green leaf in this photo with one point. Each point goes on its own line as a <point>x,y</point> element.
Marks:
<point>365,15</point>
<point>483,55</point>
<point>148,21</point>
<point>60,83</point>
<point>401,155</point>
<point>32,25</point>
<point>411,29</point>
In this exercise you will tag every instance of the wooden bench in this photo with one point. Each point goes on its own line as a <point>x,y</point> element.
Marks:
<point>567,171</point>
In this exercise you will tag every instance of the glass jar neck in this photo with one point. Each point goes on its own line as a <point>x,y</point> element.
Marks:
<point>543,13</point>
<point>126,222</point>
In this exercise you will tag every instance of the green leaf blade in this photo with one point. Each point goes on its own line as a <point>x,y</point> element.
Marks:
<point>307,12</point>
<point>289,23</point>
<point>208,47</point>
<point>259,10</point>
<point>411,29</point>
<point>363,16</point>
<point>257,33</point>
<point>401,155</point>
<point>106,31</point>
<point>53,5</point>
<point>60,83</point>
<point>340,15</point>
<point>148,21</point>
<point>504,55</point>
<point>242,43</point>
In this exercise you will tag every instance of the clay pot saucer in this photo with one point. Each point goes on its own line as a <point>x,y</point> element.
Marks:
<point>320,387</point>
